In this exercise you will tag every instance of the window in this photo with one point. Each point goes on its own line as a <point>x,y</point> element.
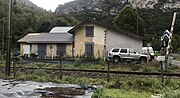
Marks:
<point>89,31</point>
<point>115,50</point>
<point>132,51</point>
<point>123,51</point>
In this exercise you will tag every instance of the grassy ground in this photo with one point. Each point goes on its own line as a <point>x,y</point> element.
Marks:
<point>118,93</point>
<point>116,88</point>
<point>152,67</point>
<point>176,57</point>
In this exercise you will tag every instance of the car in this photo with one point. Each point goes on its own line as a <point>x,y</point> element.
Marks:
<point>118,54</point>
<point>151,51</point>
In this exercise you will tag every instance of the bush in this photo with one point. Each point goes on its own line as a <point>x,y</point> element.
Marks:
<point>154,63</point>
<point>78,62</point>
<point>148,69</point>
<point>172,94</point>
<point>100,94</point>
<point>136,67</point>
<point>102,62</point>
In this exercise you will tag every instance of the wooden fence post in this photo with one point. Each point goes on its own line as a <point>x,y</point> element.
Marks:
<point>108,63</point>
<point>14,66</point>
<point>162,74</point>
<point>61,73</point>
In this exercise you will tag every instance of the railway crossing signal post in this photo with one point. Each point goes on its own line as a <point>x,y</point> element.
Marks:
<point>168,48</point>
<point>166,40</point>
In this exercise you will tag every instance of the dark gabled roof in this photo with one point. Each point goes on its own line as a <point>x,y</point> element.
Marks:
<point>108,27</point>
<point>47,38</point>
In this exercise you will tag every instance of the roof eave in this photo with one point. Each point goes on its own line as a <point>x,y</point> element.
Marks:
<point>48,42</point>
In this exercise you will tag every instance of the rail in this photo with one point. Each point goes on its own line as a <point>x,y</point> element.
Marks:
<point>102,71</point>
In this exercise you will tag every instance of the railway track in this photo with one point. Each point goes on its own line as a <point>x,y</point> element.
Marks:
<point>99,71</point>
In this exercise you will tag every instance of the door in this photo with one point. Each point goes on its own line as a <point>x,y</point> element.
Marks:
<point>134,54</point>
<point>26,49</point>
<point>61,50</point>
<point>124,53</point>
<point>89,49</point>
<point>42,51</point>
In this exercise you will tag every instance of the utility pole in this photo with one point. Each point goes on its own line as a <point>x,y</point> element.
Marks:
<point>137,32</point>
<point>8,39</point>
<point>4,18</point>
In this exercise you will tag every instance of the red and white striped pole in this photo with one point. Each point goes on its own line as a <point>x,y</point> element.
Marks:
<point>171,33</point>
<point>169,42</point>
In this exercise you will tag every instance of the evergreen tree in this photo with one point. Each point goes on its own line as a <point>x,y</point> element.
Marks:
<point>128,19</point>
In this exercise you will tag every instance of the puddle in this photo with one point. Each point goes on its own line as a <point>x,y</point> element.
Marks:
<point>57,92</point>
<point>30,89</point>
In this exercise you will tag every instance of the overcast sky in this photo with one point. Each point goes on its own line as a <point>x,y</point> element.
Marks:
<point>49,4</point>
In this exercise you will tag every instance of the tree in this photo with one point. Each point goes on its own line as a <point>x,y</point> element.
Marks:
<point>128,19</point>
<point>28,19</point>
<point>45,26</point>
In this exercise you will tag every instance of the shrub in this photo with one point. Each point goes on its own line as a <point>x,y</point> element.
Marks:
<point>100,94</point>
<point>102,62</point>
<point>136,67</point>
<point>172,94</point>
<point>148,69</point>
<point>154,63</point>
<point>118,84</point>
<point>78,62</point>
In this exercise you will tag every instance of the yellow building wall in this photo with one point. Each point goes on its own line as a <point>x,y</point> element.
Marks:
<point>51,52</point>
<point>98,39</point>
<point>80,40</point>
<point>21,48</point>
<point>69,48</point>
<point>34,48</point>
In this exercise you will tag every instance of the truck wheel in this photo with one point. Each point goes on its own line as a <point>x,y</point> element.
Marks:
<point>143,61</point>
<point>116,59</point>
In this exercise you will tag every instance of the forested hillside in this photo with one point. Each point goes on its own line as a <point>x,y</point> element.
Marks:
<point>150,23</point>
<point>27,17</point>
<point>149,18</point>
<point>103,6</point>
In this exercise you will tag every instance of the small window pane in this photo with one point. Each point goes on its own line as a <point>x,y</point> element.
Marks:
<point>123,50</point>
<point>115,50</point>
<point>89,31</point>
